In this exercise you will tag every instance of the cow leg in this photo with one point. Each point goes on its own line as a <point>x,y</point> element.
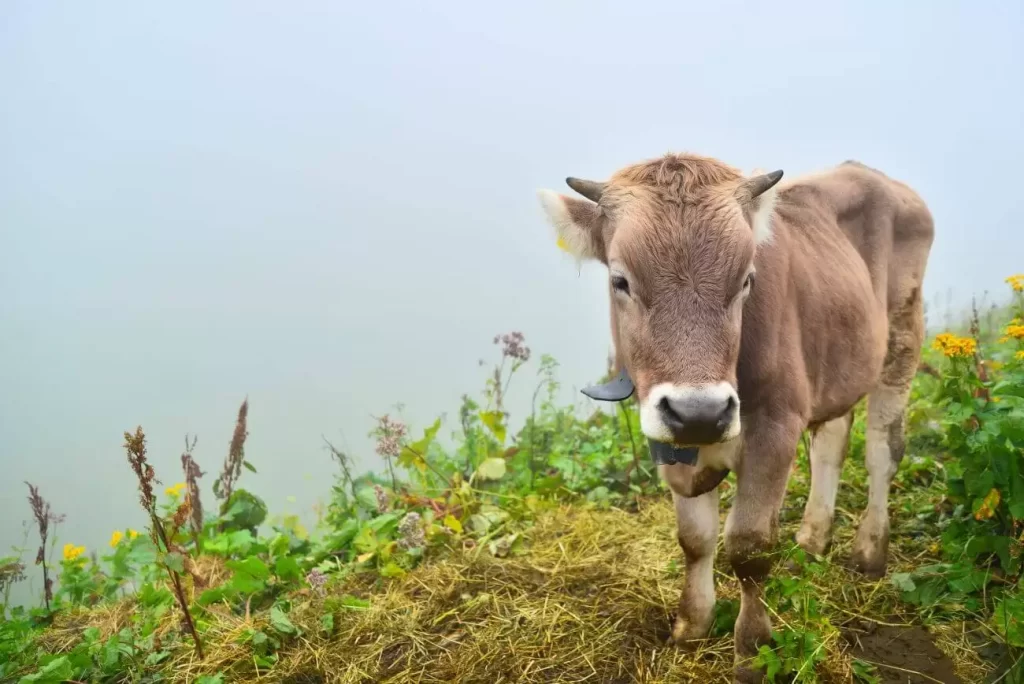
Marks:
<point>884,449</point>
<point>884,439</point>
<point>829,443</point>
<point>752,527</point>
<point>697,524</point>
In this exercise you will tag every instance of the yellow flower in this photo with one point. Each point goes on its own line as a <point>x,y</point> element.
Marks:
<point>175,491</point>
<point>72,552</point>
<point>953,346</point>
<point>116,538</point>
<point>1015,331</point>
<point>132,534</point>
<point>1019,355</point>
<point>1016,282</point>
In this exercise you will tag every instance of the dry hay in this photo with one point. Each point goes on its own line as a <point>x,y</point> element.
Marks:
<point>590,600</point>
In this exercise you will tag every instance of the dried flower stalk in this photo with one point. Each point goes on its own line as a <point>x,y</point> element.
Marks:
<point>225,484</point>
<point>192,475</point>
<point>135,446</point>
<point>44,516</point>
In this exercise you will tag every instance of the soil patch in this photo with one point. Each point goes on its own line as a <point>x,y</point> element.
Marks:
<point>902,655</point>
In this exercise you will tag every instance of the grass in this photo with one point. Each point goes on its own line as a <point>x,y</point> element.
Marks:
<point>550,556</point>
<point>588,599</point>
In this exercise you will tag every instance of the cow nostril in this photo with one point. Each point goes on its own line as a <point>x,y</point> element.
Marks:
<point>669,412</point>
<point>727,411</point>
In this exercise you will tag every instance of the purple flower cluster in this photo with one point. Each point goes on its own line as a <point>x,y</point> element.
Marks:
<point>317,581</point>
<point>410,532</point>
<point>382,498</point>
<point>512,346</point>
<point>389,436</point>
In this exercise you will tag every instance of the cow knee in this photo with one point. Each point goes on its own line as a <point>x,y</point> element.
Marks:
<point>749,554</point>
<point>696,545</point>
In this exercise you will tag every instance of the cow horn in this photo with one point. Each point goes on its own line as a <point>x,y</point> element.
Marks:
<point>759,184</point>
<point>590,189</point>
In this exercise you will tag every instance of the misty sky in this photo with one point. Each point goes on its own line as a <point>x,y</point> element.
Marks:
<point>330,207</point>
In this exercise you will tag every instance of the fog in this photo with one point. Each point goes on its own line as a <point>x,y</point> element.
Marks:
<point>329,208</point>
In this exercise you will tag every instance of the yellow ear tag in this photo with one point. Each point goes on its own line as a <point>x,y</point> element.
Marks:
<point>562,244</point>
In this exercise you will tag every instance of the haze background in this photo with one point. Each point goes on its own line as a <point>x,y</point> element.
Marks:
<point>330,208</point>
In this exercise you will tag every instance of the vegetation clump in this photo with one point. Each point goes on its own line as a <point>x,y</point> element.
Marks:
<point>545,553</point>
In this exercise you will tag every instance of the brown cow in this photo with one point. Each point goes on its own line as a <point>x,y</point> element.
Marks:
<point>747,310</point>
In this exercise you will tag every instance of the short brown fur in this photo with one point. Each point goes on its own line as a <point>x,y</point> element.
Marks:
<point>836,315</point>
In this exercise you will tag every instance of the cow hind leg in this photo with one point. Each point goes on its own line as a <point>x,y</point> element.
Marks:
<point>885,440</point>
<point>697,523</point>
<point>829,443</point>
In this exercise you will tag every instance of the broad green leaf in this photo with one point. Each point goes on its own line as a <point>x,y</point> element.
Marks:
<point>385,525</point>
<point>111,652</point>
<point>354,603</point>
<point>365,541</point>
<point>56,671</point>
<point>410,457</point>
<point>491,469</point>
<point>339,539</point>
<point>367,498</point>
<point>979,483</point>
<point>175,561</point>
<point>495,422</point>
<point>392,570</point>
<point>453,524</point>
<point>250,575</point>
<point>279,621</point>
<point>1008,620</point>
<point>327,623</point>
<point>151,596</point>
<point>287,568</point>
<point>415,454</point>
<point>244,510</point>
<point>903,581</point>
<point>211,679</point>
<point>252,566</point>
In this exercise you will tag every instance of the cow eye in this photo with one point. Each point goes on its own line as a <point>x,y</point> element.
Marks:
<point>620,284</point>
<point>749,282</point>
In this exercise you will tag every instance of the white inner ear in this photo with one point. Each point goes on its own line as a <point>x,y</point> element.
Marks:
<point>761,213</point>
<point>576,238</point>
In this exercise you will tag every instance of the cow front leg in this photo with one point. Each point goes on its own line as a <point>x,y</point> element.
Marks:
<point>751,530</point>
<point>829,443</point>
<point>697,525</point>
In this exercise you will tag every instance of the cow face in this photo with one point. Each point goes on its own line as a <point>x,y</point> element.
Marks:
<point>678,236</point>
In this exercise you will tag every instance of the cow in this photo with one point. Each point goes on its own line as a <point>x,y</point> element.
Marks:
<point>745,311</point>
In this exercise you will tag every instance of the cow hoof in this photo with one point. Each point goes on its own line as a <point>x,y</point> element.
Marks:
<point>872,567</point>
<point>746,675</point>
<point>687,636</point>
<point>813,540</point>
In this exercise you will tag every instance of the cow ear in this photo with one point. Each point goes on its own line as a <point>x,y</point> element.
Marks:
<point>577,224</point>
<point>757,197</point>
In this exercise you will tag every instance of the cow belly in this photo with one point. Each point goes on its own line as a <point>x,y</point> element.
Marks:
<point>851,365</point>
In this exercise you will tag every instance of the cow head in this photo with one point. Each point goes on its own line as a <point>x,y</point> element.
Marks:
<point>678,235</point>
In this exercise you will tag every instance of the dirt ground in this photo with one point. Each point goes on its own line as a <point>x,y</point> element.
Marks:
<point>902,655</point>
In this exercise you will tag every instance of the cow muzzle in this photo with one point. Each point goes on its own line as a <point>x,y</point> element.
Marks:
<point>693,415</point>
